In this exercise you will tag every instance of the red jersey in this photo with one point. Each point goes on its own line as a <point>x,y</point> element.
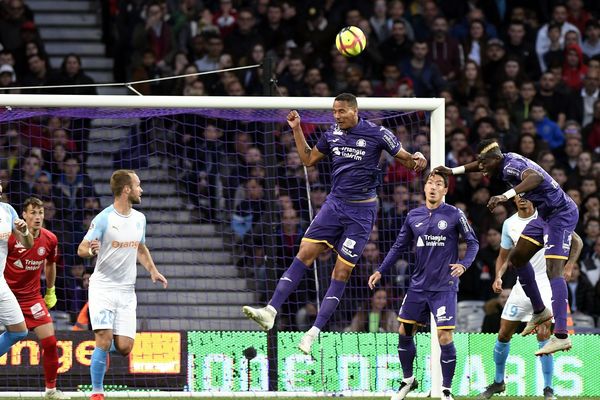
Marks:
<point>24,266</point>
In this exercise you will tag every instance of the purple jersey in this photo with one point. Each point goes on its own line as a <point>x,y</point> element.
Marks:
<point>355,157</point>
<point>435,233</point>
<point>548,197</point>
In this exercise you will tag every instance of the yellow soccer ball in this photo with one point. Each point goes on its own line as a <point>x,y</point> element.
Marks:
<point>350,41</point>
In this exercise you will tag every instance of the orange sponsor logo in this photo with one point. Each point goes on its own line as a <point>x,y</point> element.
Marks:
<point>125,245</point>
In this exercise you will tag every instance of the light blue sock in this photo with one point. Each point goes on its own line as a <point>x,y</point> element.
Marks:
<point>547,366</point>
<point>501,351</point>
<point>97,370</point>
<point>7,339</point>
<point>113,348</point>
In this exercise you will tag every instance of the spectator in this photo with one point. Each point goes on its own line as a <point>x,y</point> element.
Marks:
<point>581,104</point>
<point>40,74</point>
<point>23,180</point>
<point>487,258</point>
<point>225,18</point>
<point>546,129</point>
<point>542,44</point>
<point>445,52</point>
<point>153,34</point>
<point>149,69</point>
<point>591,264</point>
<point>7,79</point>
<point>273,31</point>
<point>14,14</point>
<point>396,48</point>
<point>577,15</point>
<point>552,100</point>
<point>573,69</point>
<point>214,46</point>
<point>71,73</point>
<point>518,46</point>
<point>495,54</point>
<point>591,234</point>
<point>581,292</point>
<point>293,78</point>
<point>426,77</point>
<point>573,147</point>
<point>396,11</point>
<point>591,44</point>
<point>248,212</point>
<point>470,83</point>
<point>243,36</point>
<point>74,184</point>
<point>475,43</point>
<point>591,132</point>
<point>376,317</point>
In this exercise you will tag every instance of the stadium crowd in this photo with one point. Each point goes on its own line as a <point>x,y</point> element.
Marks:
<point>527,74</point>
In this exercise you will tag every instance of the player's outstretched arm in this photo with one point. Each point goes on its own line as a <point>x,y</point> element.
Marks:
<point>146,260</point>
<point>22,231</point>
<point>308,156</point>
<point>473,166</point>
<point>414,161</point>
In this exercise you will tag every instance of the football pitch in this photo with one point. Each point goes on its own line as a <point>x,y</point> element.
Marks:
<point>108,397</point>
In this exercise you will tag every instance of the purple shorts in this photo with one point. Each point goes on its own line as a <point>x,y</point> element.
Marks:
<point>417,306</point>
<point>554,234</point>
<point>343,226</point>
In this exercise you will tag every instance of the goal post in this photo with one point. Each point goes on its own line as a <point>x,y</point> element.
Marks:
<point>108,107</point>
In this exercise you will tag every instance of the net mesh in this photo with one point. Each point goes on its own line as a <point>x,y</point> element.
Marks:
<point>226,201</point>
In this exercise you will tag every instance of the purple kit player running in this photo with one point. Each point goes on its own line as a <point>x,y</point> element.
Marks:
<point>434,229</point>
<point>557,218</point>
<point>345,220</point>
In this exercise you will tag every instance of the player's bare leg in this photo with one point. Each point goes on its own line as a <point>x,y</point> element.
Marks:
<point>289,281</point>
<point>519,257</point>
<point>560,341</point>
<point>339,277</point>
<point>45,334</point>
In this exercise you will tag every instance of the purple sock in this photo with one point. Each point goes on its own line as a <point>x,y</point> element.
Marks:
<point>407,352</point>
<point>559,304</point>
<point>288,282</point>
<point>448,359</point>
<point>330,302</point>
<point>527,279</point>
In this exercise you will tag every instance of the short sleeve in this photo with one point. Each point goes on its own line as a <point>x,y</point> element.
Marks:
<point>514,168</point>
<point>390,142</point>
<point>97,227</point>
<point>506,242</point>
<point>322,144</point>
<point>13,214</point>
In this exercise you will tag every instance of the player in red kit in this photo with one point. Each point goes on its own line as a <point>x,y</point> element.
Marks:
<point>23,271</point>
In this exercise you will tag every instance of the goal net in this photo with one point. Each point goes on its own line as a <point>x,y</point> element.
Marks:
<point>227,201</point>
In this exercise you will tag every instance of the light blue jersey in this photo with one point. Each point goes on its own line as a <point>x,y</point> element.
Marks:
<point>7,223</point>
<point>119,236</point>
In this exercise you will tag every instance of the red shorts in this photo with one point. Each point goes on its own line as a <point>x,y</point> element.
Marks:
<point>35,311</point>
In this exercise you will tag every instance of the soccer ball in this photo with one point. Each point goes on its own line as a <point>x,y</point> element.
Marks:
<point>350,41</point>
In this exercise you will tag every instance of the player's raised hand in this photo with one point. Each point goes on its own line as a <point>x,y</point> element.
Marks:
<point>373,279</point>
<point>420,161</point>
<point>442,170</point>
<point>95,246</point>
<point>497,285</point>
<point>21,225</point>
<point>158,277</point>
<point>457,270</point>
<point>495,200</point>
<point>293,119</point>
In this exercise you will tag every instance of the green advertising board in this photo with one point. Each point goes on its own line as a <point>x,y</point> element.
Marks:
<point>369,362</point>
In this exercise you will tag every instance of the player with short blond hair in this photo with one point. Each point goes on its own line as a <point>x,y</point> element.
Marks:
<point>117,236</point>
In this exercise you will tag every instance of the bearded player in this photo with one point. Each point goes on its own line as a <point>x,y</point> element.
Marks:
<point>118,237</point>
<point>23,272</point>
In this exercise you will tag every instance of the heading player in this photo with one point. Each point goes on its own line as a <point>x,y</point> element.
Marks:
<point>347,216</point>
<point>10,312</point>
<point>518,306</point>
<point>23,274</point>
<point>557,218</point>
<point>117,235</point>
<point>435,230</point>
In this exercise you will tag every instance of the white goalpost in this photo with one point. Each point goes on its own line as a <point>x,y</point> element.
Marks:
<point>434,106</point>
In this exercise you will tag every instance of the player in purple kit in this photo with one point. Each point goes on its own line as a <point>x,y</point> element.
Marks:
<point>435,230</point>
<point>346,218</point>
<point>557,218</point>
